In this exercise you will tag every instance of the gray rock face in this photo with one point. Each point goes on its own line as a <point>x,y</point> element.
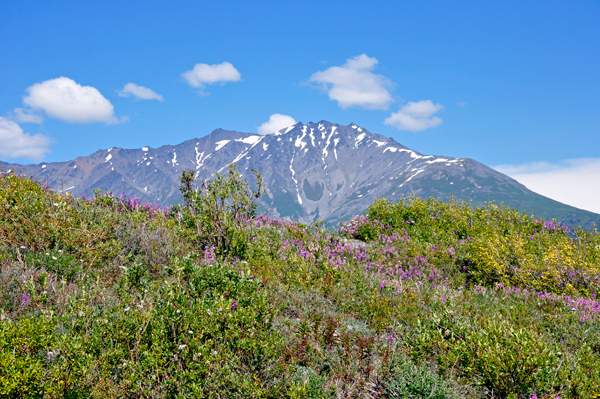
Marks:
<point>315,171</point>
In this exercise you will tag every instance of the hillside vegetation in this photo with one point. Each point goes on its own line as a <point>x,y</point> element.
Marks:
<point>109,297</point>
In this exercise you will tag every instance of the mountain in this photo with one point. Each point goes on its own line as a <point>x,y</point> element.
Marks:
<point>315,171</point>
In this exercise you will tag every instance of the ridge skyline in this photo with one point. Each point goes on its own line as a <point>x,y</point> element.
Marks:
<point>314,171</point>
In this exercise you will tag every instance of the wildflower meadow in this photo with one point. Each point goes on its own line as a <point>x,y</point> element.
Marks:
<point>107,297</point>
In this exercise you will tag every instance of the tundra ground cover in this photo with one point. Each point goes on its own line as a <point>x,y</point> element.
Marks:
<point>107,297</point>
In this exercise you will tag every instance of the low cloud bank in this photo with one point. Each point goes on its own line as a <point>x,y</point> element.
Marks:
<point>575,182</point>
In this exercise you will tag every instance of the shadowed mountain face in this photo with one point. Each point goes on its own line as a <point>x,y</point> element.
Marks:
<point>314,171</point>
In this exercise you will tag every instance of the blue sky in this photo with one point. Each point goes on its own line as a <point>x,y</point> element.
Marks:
<point>513,85</point>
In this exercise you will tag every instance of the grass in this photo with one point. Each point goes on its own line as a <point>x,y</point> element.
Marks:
<point>108,297</point>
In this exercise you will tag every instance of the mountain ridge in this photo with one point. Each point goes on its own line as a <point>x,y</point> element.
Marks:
<point>314,171</point>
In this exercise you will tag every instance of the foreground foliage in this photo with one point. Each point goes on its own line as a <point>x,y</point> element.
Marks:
<point>109,297</point>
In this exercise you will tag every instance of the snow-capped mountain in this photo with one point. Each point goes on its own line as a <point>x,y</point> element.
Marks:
<point>314,171</point>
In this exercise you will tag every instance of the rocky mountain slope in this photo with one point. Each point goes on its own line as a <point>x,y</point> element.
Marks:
<point>315,171</point>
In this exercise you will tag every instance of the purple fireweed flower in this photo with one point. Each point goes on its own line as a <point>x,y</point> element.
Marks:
<point>24,299</point>
<point>443,300</point>
<point>582,319</point>
<point>234,306</point>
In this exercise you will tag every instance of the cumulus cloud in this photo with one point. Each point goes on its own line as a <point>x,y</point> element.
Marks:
<point>275,123</point>
<point>139,92</point>
<point>25,115</point>
<point>16,144</point>
<point>415,116</point>
<point>204,74</point>
<point>575,182</point>
<point>353,84</point>
<point>63,98</point>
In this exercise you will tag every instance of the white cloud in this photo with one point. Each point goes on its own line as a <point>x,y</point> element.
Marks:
<point>139,92</point>
<point>353,84</point>
<point>25,115</point>
<point>204,74</point>
<point>575,182</point>
<point>275,123</point>
<point>63,98</point>
<point>415,116</point>
<point>16,144</point>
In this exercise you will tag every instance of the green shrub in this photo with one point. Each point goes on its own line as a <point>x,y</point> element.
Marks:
<point>219,211</point>
<point>407,380</point>
<point>506,360</point>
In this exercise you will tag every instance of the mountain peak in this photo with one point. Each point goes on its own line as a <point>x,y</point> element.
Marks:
<point>314,171</point>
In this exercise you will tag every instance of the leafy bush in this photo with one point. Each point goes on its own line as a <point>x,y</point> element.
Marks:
<point>506,360</point>
<point>408,380</point>
<point>219,211</point>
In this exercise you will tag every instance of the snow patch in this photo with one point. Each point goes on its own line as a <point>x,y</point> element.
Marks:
<point>293,173</point>
<point>265,146</point>
<point>409,179</point>
<point>43,166</point>
<point>221,144</point>
<point>359,139</point>
<point>325,152</point>
<point>312,136</point>
<point>299,142</point>
<point>250,139</point>
<point>145,149</point>
<point>237,158</point>
<point>438,160</point>
<point>379,143</point>
<point>108,158</point>
<point>199,158</point>
<point>295,181</point>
